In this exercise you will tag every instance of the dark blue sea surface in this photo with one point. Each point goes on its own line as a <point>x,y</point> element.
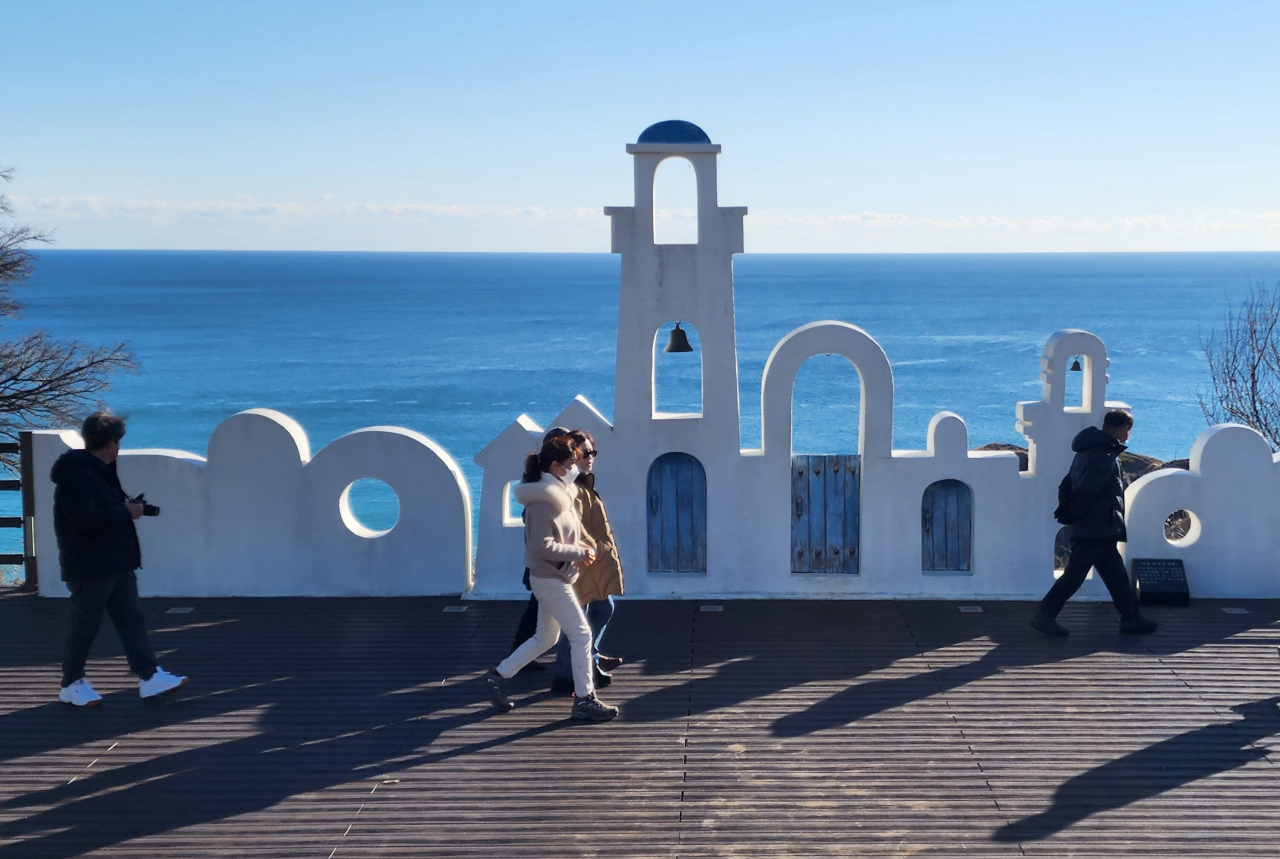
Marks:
<point>457,345</point>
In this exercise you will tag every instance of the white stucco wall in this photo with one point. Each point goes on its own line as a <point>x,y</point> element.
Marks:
<point>1233,491</point>
<point>749,491</point>
<point>262,517</point>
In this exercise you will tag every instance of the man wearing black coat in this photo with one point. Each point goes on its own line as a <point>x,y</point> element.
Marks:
<point>1095,511</point>
<point>98,550</point>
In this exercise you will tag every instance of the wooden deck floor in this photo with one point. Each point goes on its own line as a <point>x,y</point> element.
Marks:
<point>344,728</point>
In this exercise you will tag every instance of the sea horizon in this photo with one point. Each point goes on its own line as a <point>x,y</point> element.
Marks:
<point>456,345</point>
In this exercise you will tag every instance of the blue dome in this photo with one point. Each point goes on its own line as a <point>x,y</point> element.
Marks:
<point>673,131</point>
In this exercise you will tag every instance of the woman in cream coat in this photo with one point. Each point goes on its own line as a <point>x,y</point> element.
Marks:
<point>553,550</point>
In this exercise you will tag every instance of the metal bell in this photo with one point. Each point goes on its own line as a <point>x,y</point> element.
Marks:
<point>1075,366</point>
<point>678,341</point>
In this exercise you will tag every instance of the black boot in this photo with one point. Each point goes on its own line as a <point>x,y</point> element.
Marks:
<point>1048,625</point>
<point>1138,626</point>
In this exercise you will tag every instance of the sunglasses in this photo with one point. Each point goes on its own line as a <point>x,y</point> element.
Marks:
<point>588,454</point>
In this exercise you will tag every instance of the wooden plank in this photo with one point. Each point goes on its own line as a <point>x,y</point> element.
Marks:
<point>654,515</point>
<point>682,470</point>
<point>852,518</point>
<point>800,554</point>
<point>10,447</point>
<point>10,485</point>
<point>670,512</point>
<point>927,562</point>
<point>951,489</point>
<point>887,728</point>
<point>833,476</point>
<point>699,516</point>
<point>30,565</point>
<point>939,528</point>
<point>965,517</point>
<point>11,560</point>
<point>817,515</point>
<point>10,521</point>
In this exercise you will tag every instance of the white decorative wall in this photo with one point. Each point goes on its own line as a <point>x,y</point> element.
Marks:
<point>262,517</point>
<point>1232,491</point>
<point>749,498</point>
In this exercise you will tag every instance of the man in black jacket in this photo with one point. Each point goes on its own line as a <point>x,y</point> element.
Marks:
<point>98,551</point>
<point>1095,512</point>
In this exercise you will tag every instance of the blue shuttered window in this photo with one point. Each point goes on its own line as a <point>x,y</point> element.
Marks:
<point>946,527</point>
<point>824,514</point>
<point>677,513</point>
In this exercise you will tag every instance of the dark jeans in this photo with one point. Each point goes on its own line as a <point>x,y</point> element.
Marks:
<point>1103,556</point>
<point>598,613</point>
<point>118,596</point>
<point>528,624</point>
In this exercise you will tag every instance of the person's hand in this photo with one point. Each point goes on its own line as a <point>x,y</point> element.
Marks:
<point>591,555</point>
<point>134,508</point>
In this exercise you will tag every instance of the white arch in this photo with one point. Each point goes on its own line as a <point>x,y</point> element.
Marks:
<point>875,408</point>
<point>675,189</point>
<point>1053,369</point>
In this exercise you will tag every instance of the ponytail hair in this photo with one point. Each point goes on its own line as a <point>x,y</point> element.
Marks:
<point>556,449</point>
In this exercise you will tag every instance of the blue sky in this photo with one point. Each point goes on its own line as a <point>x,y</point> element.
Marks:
<point>847,127</point>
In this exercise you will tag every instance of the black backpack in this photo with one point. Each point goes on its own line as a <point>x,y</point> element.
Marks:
<point>1063,512</point>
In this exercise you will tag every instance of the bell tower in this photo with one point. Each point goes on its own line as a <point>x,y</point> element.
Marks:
<point>690,283</point>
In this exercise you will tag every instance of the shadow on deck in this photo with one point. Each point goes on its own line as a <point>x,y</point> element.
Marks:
<point>356,727</point>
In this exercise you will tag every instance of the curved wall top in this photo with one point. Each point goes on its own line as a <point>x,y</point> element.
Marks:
<point>875,412</point>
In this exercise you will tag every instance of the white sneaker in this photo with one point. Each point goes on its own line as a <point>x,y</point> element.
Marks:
<point>159,683</point>
<point>80,694</point>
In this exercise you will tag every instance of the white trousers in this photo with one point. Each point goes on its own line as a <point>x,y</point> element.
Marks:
<point>558,610</point>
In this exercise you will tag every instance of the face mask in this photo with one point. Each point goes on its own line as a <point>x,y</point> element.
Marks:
<point>570,475</point>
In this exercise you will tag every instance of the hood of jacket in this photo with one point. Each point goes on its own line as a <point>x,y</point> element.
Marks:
<point>548,490</point>
<point>73,461</point>
<point>1091,437</point>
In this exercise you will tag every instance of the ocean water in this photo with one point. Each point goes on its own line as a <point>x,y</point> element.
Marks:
<point>457,345</point>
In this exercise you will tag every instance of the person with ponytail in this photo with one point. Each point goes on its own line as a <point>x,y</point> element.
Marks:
<point>598,582</point>
<point>554,550</point>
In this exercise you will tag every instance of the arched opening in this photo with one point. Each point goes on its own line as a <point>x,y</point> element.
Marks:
<point>512,510</point>
<point>825,406</point>
<point>370,508</point>
<point>1061,550</point>
<point>825,486</point>
<point>1062,553</point>
<point>677,376</point>
<point>1182,528</point>
<point>1073,392</point>
<point>675,203</point>
<point>946,527</point>
<point>677,514</point>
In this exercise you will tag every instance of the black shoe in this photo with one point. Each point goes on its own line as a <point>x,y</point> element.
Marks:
<point>1049,626</point>
<point>562,685</point>
<point>608,663</point>
<point>493,680</point>
<point>592,709</point>
<point>602,678</point>
<point>1138,626</point>
<point>532,667</point>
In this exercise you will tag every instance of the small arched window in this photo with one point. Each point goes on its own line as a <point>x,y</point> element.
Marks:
<point>946,527</point>
<point>675,203</point>
<point>677,515</point>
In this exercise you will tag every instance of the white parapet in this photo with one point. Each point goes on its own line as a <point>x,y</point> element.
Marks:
<point>262,517</point>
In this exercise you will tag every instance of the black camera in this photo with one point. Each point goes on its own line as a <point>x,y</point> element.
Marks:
<point>147,509</point>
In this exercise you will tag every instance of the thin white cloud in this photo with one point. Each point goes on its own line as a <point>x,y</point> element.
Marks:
<point>326,222</point>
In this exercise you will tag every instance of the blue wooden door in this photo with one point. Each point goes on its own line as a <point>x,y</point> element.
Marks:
<point>824,513</point>
<point>946,527</point>
<point>677,500</point>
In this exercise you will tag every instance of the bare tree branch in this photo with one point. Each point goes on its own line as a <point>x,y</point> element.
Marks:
<point>44,382</point>
<point>1244,366</point>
